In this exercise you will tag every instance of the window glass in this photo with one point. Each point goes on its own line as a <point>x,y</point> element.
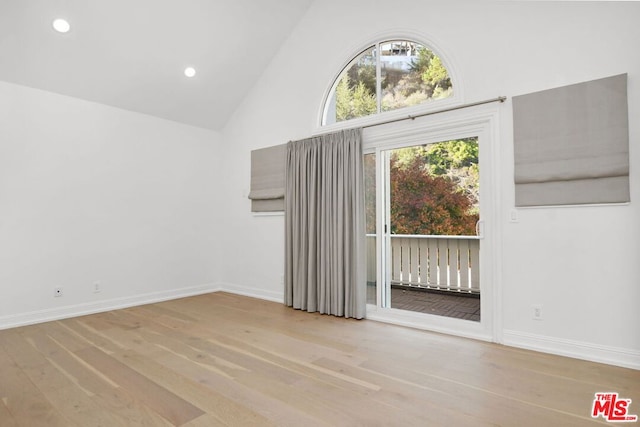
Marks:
<point>410,75</point>
<point>388,76</point>
<point>370,222</point>
<point>355,94</point>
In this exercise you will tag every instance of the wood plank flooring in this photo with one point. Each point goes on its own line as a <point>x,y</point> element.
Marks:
<point>227,360</point>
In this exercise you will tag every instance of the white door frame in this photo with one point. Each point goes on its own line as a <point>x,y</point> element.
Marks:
<point>480,121</point>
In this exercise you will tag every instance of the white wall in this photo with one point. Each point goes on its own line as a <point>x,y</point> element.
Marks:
<point>580,263</point>
<point>92,193</point>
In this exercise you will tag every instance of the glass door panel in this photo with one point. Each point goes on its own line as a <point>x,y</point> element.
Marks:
<point>432,208</point>
<point>370,223</point>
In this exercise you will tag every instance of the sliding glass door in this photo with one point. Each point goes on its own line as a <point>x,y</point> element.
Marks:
<point>427,201</point>
<point>432,212</point>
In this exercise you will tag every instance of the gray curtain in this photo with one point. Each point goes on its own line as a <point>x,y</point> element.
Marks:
<point>324,225</point>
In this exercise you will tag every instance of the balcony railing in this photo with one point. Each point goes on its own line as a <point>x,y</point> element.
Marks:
<point>448,263</point>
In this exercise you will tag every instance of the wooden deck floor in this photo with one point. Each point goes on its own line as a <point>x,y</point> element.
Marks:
<point>226,360</point>
<point>438,303</point>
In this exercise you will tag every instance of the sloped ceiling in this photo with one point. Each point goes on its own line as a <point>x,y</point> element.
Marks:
<point>131,54</point>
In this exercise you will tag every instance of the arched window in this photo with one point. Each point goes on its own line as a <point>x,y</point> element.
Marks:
<point>387,76</point>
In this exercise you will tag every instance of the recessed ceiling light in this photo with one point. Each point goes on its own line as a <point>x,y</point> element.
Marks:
<point>189,71</point>
<point>61,25</point>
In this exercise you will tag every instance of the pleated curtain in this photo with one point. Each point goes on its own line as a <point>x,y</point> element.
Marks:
<point>324,225</point>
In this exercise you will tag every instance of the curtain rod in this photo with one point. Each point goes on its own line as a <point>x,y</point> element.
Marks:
<point>444,110</point>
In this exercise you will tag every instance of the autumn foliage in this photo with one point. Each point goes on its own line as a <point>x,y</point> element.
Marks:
<point>426,204</point>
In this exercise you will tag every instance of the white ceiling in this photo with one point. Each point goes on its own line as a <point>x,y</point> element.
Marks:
<point>132,54</point>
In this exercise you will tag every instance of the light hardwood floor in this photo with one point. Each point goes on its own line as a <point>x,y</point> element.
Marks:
<point>222,359</point>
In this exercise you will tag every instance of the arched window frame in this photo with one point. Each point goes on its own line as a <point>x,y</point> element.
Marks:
<point>452,101</point>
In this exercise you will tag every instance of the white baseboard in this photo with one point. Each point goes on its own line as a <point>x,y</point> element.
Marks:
<point>48,315</point>
<point>251,292</point>
<point>627,358</point>
<point>40,316</point>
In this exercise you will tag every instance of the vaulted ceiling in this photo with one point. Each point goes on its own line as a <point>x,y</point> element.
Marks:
<point>132,54</point>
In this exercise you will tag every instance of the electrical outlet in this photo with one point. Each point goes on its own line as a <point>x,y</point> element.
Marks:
<point>536,311</point>
<point>97,286</point>
<point>57,292</point>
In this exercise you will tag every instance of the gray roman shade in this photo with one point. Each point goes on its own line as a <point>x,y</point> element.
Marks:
<point>267,179</point>
<point>571,144</point>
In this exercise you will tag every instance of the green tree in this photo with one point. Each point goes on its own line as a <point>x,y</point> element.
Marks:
<point>435,80</point>
<point>447,155</point>
<point>364,102</point>
<point>422,61</point>
<point>353,100</point>
<point>436,75</point>
<point>343,99</point>
<point>457,159</point>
